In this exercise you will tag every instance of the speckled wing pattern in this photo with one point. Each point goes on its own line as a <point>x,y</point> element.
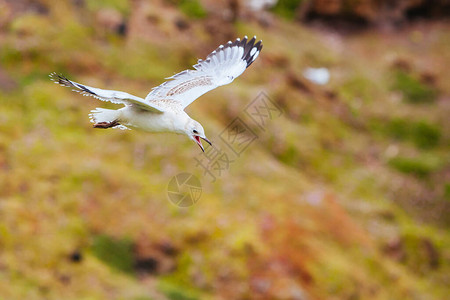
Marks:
<point>116,97</point>
<point>220,67</point>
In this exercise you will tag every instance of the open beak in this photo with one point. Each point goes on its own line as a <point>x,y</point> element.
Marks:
<point>206,140</point>
<point>199,142</point>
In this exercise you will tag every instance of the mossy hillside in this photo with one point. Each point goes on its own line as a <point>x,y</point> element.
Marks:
<point>310,207</point>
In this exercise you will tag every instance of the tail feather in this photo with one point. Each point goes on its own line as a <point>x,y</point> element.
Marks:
<point>104,115</point>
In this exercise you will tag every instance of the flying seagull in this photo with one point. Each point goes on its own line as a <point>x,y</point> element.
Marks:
<point>163,108</point>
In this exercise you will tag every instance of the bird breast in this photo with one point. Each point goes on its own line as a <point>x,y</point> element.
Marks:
<point>150,121</point>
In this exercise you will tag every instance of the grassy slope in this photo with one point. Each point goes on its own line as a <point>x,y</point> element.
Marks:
<point>307,209</point>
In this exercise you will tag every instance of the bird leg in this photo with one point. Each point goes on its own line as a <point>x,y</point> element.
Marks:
<point>105,125</point>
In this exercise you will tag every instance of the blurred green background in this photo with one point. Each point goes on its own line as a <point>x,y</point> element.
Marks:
<point>346,195</point>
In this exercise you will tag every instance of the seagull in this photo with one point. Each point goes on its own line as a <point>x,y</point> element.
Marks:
<point>163,108</point>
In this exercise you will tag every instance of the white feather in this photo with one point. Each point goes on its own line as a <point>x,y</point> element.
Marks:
<point>221,67</point>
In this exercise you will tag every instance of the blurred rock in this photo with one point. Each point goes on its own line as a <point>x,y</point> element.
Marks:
<point>76,257</point>
<point>428,78</point>
<point>182,24</point>
<point>148,265</point>
<point>257,5</point>
<point>384,13</point>
<point>154,258</point>
<point>167,247</point>
<point>111,20</point>
<point>319,76</point>
<point>402,64</point>
<point>395,249</point>
<point>431,253</point>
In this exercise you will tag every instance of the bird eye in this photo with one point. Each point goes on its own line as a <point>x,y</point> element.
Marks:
<point>195,131</point>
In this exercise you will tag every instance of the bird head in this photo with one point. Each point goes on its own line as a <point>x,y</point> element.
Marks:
<point>196,132</point>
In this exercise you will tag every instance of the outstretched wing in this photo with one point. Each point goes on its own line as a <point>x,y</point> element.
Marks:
<point>116,97</point>
<point>221,67</point>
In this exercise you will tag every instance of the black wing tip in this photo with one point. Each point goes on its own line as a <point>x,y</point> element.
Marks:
<point>64,81</point>
<point>251,50</point>
<point>60,79</point>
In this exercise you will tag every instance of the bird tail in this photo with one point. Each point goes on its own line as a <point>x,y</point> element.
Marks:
<point>105,118</point>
